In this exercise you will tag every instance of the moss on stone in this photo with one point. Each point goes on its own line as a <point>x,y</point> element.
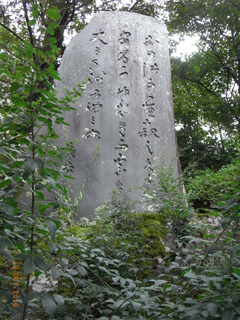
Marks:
<point>139,235</point>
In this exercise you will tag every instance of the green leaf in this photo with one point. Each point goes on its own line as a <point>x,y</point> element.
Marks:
<point>39,186</point>
<point>41,264</point>
<point>50,31</point>
<point>228,314</point>
<point>30,165</point>
<point>31,296</point>
<point>212,308</point>
<point>59,300</point>
<point>32,22</point>
<point>52,228</point>
<point>42,119</point>
<point>54,74</point>
<point>57,204</point>
<point>237,272</point>
<point>212,248</point>
<point>136,306</point>
<point>39,194</point>
<point>7,255</point>
<point>39,163</point>
<point>52,247</point>
<point>55,273</point>
<point>37,273</point>
<point>52,40</point>
<point>43,207</point>
<point>29,49</point>
<point>51,181</point>
<point>224,221</point>
<point>14,87</point>
<point>58,223</point>
<point>8,209</point>
<point>35,11</point>
<point>53,14</point>
<point>29,266</point>
<point>49,304</point>
<point>20,246</point>
<point>2,151</point>
<point>82,271</point>
<point>53,25</point>
<point>3,56</point>
<point>26,175</point>
<point>5,242</point>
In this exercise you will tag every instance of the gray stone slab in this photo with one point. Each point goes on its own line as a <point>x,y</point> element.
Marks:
<point>127,107</point>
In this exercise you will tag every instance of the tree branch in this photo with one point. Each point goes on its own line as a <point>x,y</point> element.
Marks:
<point>27,20</point>
<point>11,31</point>
<point>134,5</point>
<point>223,64</point>
<point>183,18</point>
<point>199,83</point>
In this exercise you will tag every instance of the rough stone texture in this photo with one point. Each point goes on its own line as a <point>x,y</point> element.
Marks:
<point>127,107</point>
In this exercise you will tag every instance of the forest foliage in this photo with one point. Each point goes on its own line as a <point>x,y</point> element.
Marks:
<point>112,268</point>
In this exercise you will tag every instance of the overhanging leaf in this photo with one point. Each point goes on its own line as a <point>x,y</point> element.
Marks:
<point>52,247</point>
<point>136,306</point>
<point>82,270</point>
<point>41,263</point>
<point>14,87</point>
<point>52,228</point>
<point>32,22</point>
<point>212,248</point>
<point>5,242</point>
<point>35,11</point>
<point>53,14</point>
<point>49,305</point>
<point>7,255</point>
<point>228,314</point>
<point>30,166</point>
<point>29,266</point>
<point>7,208</point>
<point>59,300</point>
<point>31,296</point>
<point>212,308</point>
<point>55,273</point>
<point>237,272</point>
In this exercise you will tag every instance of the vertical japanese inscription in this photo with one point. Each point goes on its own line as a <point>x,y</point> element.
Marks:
<point>148,131</point>
<point>127,86</point>
<point>95,82</point>
<point>123,93</point>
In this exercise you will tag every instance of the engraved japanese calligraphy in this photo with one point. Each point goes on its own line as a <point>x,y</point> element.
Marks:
<point>127,107</point>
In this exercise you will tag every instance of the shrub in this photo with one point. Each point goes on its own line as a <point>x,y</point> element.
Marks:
<point>209,187</point>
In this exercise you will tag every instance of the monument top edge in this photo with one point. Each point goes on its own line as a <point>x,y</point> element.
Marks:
<point>125,15</point>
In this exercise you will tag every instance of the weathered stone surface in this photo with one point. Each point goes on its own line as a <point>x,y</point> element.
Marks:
<point>127,107</point>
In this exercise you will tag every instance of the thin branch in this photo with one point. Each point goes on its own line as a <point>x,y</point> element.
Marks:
<point>115,311</point>
<point>199,83</point>
<point>11,31</point>
<point>134,5</point>
<point>223,64</point>
<point>183,18</point>
<point>12,53</point>
<point>27,20</point>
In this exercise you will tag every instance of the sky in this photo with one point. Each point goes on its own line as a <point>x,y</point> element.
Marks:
<point>186,47</point>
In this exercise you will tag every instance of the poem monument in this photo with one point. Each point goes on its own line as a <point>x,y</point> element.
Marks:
<point>127,107</point>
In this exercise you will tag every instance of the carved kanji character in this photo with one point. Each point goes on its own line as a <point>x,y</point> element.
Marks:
<point>124,37</point>
<point>148,41</point>
<point>97,35</point>
<point>123,56</point>
<point>143,133</point>
<point>153,131</point>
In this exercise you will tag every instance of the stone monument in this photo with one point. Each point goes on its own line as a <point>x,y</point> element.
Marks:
<point>127,108</point>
